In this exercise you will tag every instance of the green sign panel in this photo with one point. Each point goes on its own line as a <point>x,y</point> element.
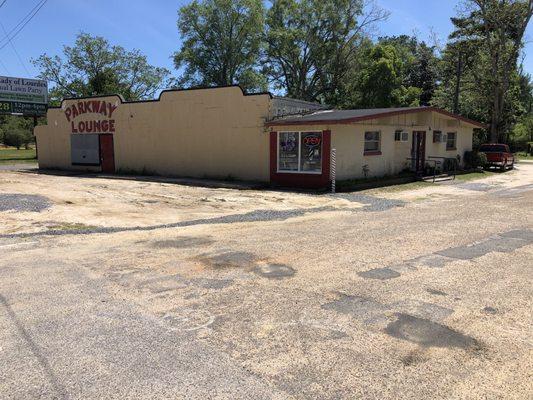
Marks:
<point>16,107</point>
<point>6,107</point>
<point>23,96</point>
<point>29,108</point>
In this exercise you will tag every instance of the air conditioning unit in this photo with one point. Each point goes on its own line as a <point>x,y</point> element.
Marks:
<point>401,136</point>
<point>439,137</point>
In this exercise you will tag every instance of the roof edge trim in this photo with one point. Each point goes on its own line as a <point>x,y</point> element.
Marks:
<point>375,116</point>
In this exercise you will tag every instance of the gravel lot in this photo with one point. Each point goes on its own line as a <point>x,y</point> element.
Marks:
<point>23,202</point>
<point>123,288</point>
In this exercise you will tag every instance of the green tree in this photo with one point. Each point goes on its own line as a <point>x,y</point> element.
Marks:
<point>379,81</point>
<point>522,132</point>
<point>93,67</point>
<point>313,44</point>
<point>419,64</point>
<point>222,41</point>
<point>460,90</point>
<point>495,31</point>
<point>16,131</point>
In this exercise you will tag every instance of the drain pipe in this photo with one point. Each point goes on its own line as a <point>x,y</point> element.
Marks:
<point>333,168</point>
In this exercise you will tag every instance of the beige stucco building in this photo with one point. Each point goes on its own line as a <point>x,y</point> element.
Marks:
<point>223,132</point>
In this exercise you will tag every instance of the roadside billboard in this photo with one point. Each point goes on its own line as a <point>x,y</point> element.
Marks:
<point>23,96</point>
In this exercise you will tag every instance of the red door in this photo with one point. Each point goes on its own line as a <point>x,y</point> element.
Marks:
<point>418,151</point>
<point>107,154</point>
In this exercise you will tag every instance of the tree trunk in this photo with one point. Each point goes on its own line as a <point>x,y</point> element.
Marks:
<point>459,72</point>
<point>495,118</point>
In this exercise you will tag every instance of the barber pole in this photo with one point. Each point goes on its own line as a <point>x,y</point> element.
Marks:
<point>333,169</point>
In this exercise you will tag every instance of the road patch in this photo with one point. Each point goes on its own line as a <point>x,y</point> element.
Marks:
<point>499,243</point>
<point>359,307</point>
<point>274,271</point>
<point>436,292</point>
<point>232,259</point>
<point>428,333</point>
<point>182,242</point>
<point>422,309</point>
<point>380,274</point>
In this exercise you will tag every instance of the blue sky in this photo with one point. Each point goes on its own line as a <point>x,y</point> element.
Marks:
<point>151,27</point>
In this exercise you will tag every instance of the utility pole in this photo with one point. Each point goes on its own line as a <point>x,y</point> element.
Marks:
<point>34,137</point>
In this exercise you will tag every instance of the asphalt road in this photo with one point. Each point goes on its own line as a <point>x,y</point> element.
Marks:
<point>381,295</point>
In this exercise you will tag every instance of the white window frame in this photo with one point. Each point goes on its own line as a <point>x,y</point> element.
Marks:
<point>402,133</point>
<point>454,141</point>
<point>379,143</point>
<point>300,154</point>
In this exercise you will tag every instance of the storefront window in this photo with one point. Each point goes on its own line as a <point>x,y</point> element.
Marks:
<point>288,151</point>
<point>300,152</point>
<point>311,158</point>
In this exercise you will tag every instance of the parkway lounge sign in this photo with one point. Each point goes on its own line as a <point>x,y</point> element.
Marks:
<point>23,96</point>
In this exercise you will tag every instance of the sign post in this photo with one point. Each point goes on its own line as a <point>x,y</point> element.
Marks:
<point>26,97</point>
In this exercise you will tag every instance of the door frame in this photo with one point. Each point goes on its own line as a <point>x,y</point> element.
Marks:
<point>418,151</point>
<point>102,153</point>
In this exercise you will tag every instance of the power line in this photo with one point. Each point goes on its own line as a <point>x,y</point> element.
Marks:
<point>16,30</point>
<point>15,50</point>
<point>1,62</point>
<point>22,20</point>
<point>4,66</point>
<point>22,23</point>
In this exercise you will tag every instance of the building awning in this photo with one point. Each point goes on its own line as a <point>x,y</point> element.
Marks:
<point>333,116</point>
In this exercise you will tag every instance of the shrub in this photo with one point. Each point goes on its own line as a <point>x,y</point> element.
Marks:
<point>474,159</point>
<point>17,138</point>
<point>451,164</point>
<point>16,131</point>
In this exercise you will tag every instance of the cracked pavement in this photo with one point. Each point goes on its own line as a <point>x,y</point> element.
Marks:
<point>120,289</point>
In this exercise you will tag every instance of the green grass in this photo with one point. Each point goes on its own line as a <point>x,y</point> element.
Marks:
<point>67,226</point>
<point>423,184</point>
<point>401,187</point>
<point>474,175</point>
<point>523,156</point>
<point>13,156</point>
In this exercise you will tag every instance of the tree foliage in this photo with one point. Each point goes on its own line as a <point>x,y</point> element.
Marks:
<point>311,45</point>
<point>222,41</point>
<point>321,50</point>
<point>419,65</point>
<point>16,131</point>
<point>93,67</point>
<point>382,80</point>
<point>493,31</point>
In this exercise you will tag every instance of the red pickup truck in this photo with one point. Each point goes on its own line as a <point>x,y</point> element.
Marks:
<point>498,155</point>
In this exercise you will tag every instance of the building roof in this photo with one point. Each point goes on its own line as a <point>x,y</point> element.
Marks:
<point>333,116</point>
<point>291,99</point>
